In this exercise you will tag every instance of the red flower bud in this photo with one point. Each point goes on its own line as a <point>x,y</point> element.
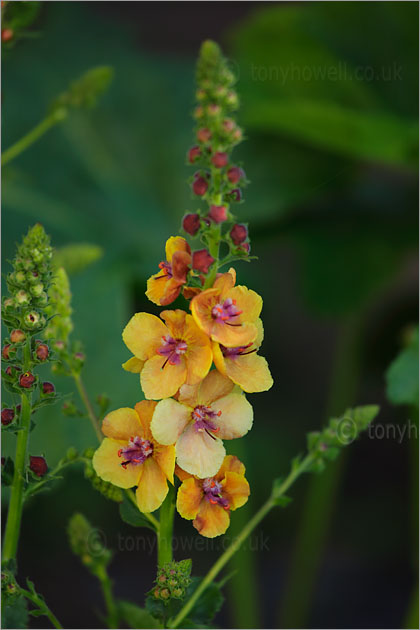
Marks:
<point>201,260</point>
<point>203,134</point>
<point>193,154</point>
<point>26,379</point>
<point>191,223</point>
<point>42,352</point>
<point>246,247</point>
<point>200,186</point>
<point>218,213</point>
<point>236,194</point>
<point>228,125</point>
<point>9,370</point>
<point>219,159</point>
<point>6,34</point>
<point>48,388</point>
<point>5,352</point>
<point>17,336</point>
<point>235,174</point>
<point>7,416</point>
<point>239,233</point>
<point>38,465</point>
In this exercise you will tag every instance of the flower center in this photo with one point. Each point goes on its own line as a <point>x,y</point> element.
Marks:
<point>225,312</point>
<point>172,349</point>
<point>239,351</point>
<point>167,270</point>
<point>213,492</point>
<point>204,418</point>
<point>136,451</point>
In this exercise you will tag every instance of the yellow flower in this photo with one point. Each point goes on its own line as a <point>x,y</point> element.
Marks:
<point>130,456</point>
<point>165,286</point>
<point>203,415</point>
<point>243,365</point>
<point>167,355</point>
<point>209,501</point>
<point>226,313</point>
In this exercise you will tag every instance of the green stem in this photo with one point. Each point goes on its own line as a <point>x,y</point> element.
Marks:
<point>85,398</point>
<point>239,540</point>
<point>149,517</point>
<point>214,244</point>
<point>41,605</point>
<point>166,524</point>
<point>21,145</point>
<point>111,607</point>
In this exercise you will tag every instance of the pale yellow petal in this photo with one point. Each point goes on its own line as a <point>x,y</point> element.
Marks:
<point>169,420</point>
<point>213,387</point>
<point>159,379</point>
<point>235,418</point>
<point>143,335</point>
<point>152,488</point>
<point>198,453</point>
<point>107,465</point>
<point>165,457</point>
<point>250,372</point>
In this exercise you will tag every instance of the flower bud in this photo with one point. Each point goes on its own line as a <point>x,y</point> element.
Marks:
<point>235,194</point>
<point>7,416</point>
<point>20,278</point>
<point>48,388</point>
<point>220,159</point>
<point>191,223</point>
<point>237,135</point>
<point>6,34</point>
<point>71,454</point>
<point>32,277</point>
<point>42,352</point>
<point>235,174</point>
<point>17,336</point>
<point>22,298</point>
<point>37,289</point>
<point>198,112</point>
<point>59,345</point>
<point>228,125</point>
<point>42,300</point>
<point>239,233</point>
<point>213,109</point>
<point>11,370</point>
<point>38,465</point>
<point>203,134</point>
<point>246,247</point>
<point>6,350</point>
<point>200,186</point>
<point>232,99</point>
<point>218,213</point>
<point>32,319</point>
<point>201,260</point>
<point>165,593</point>
<point>193,154</point>
<point>200,95</point>
<point>26,380</point>
<point>8,304</point>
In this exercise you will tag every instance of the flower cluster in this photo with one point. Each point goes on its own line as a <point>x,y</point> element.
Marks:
<point>195,367</point>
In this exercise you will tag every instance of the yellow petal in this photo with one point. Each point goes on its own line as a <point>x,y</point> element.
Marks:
<point>211,520</point>
<point>107,465</point>
<point>201,306</point>
<point>218,358</point>
<point>198,453</point>
<point>230,464</point>
<point>260,333</point>
<point>143,335</point>
<point>165,457</point>
<point>213,387</point>
<point>175,244</point>
<point>162,382</point>
<point>247,301</point>
<point>188,394</point>
<point>133,365</point>
<point>250,372</point>
<point>188,498</point>
<point>175,321</point>
<point>145,410</point>
<point>122,424</point>
<point>169,420</point>
<point>152,488</point>
<point>235,489</point>
<point>225,282</point>
<point>235,418</point>
<point>234,336</point>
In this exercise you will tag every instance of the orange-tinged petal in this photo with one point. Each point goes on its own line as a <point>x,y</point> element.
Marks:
<point>176,244</point>
<point>122,424</point>
<point>162,382</point>
<point>181,474</point>
<point>107,465</point>
<point>152,488</point>
<point>230,464</point>
<point>143,335</point>
<point>218,358</point>
<point>201,306</point>
<point>188,498</point>
<point>180,265</point>
<point>225,282</point>
<point>236,416</point>
<point>233,336</point>
<point>162,289</point>
<point>144,410</point>
<point>211,520</point>
<point>235,489</point>
<point>250,372</point>
<point>213,387</point>
<point>133,365</point>
<point>247,301</point>
<point>188,394</point>
<point>198,453</point>
<point>165,457</point>
<point>176,322</point>
<point>169,420</point>
<point>190,292</point>
<point>199,360</point>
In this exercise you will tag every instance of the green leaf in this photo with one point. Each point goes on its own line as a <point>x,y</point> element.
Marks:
<point>19,15</point>
<point>208,604</point>
<point>7,471</point>
<point>132,515</point>
<point>135,616</point>
<point>15,616</point>
<point>76,257</point>
<point>282,501</point>
<point>402,376</point>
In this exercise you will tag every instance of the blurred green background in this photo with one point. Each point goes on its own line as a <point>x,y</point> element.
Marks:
<point>329,96</point>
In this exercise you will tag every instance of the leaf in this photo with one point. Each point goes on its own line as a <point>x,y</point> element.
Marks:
<point>76,257</point>
<point>208,604</point>
<point>402,376</point>
<point>282,501</point>
<point>85,91</point>
<point>7,471</point>
<point>132,515</point>
<point>135,616</point>
<point>15,616</point>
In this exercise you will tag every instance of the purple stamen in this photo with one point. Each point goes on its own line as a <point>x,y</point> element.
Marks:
<point>172,349</point>
<point>166,268</point>
<point>204,419</point>
<point>213,492</point>
<point>239,351</point>
<point>225,312</point>
<point>136,452</point>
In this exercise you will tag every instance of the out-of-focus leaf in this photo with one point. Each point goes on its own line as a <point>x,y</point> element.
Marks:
<point>131,515</point>
<point>77,256</point>
<point>135,616</point>
<point>15,616</point>
<point>402,376</point>
<point>85,91</point>
<point>19,15</point>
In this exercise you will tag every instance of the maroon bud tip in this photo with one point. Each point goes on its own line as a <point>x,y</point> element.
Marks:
<point>236,194</point>
<point>193,154</point>
<point>38,465</point>
<point>219,159</point>
<point>42,352</point>
<point>201,260</point>
<point>6,34</point>
<point>7,416</point>
<point>246,247</point>
<point>5,352</point>
<point>191,223</point>
<point>229,125</point>
<point>235,174</point>
<point>218,213</point>
<point>239,233</point>
<point>17,336</point>
<point>26,379</point>
<point>203,134</point>
<point>48,388</point>
<point>200,186</point>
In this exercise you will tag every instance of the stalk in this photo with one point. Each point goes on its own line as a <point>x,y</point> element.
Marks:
<point>166,524</point>
<point>111,607</point>
<point>88,405</point>
<point>42,606</point>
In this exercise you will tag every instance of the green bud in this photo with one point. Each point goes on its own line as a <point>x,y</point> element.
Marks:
<point>89,453</point>
<point>71,454</point>
<point>8,304</point>
<point>20,278</point>
<point>37,289</point>
<point>32,320</point>
<point>22,298</point>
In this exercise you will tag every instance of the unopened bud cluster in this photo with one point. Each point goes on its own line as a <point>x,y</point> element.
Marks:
<point>107,489</point>
<point>172,581</point>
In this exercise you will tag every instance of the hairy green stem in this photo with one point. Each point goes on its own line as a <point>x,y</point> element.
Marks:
<point>112,618</point>
<point>239,540</point>
<point>85,399</point>
<point>166,524</point>
<point>42,606</point>
<point>21,145</point>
